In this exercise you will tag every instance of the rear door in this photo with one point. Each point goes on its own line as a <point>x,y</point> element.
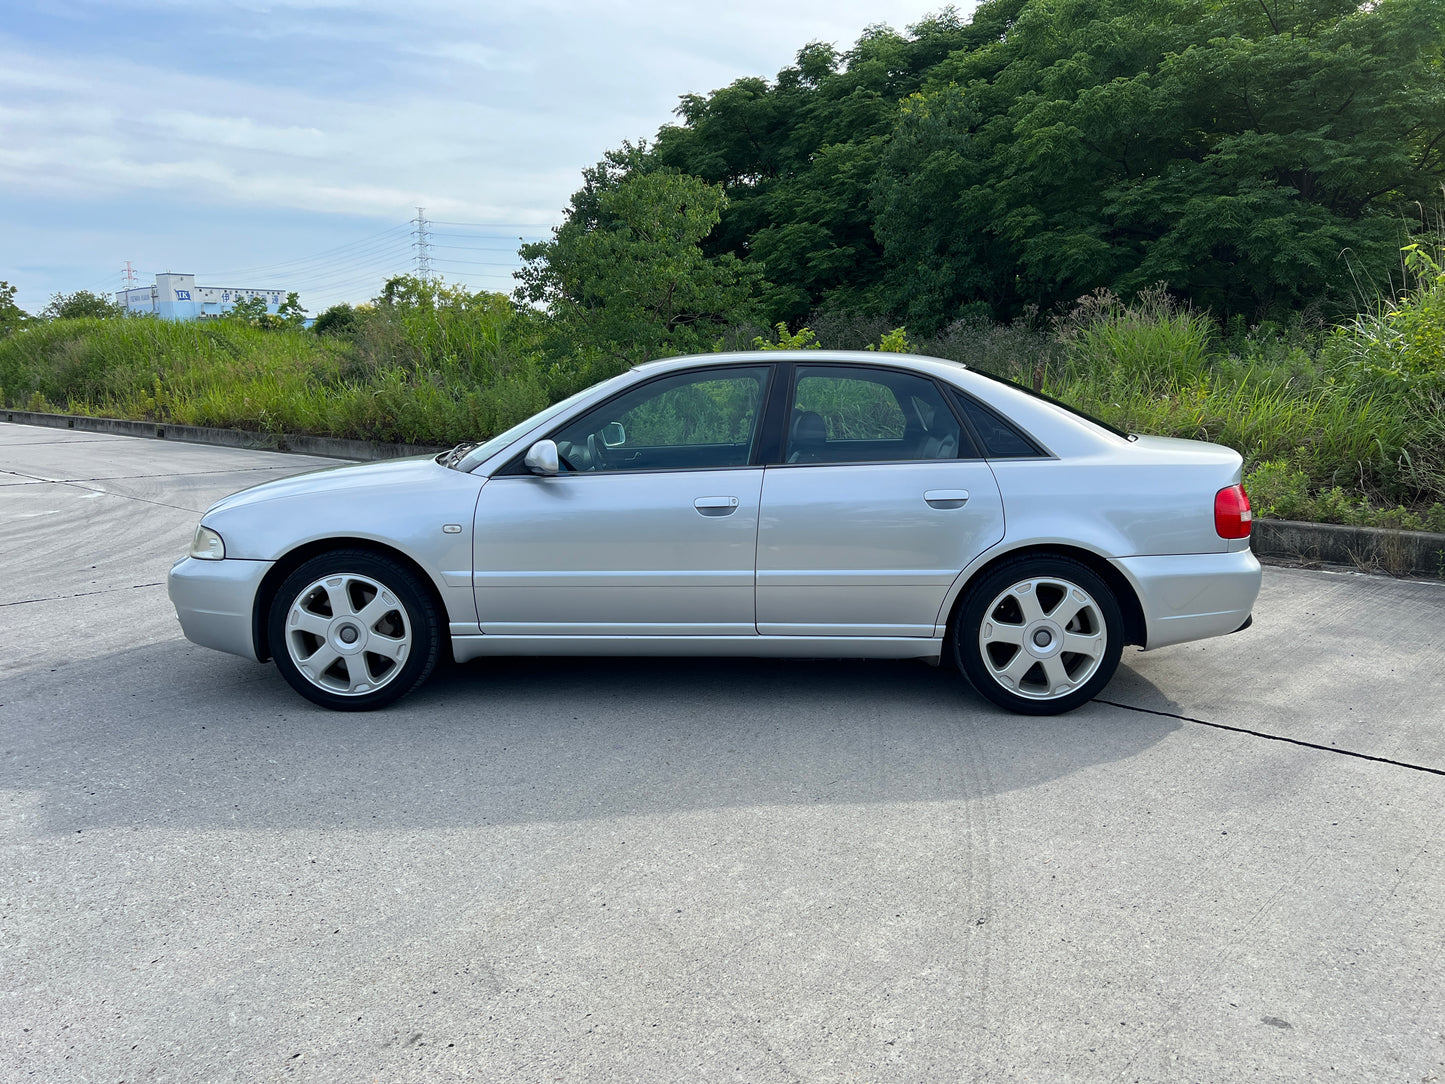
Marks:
<point>880,502</point>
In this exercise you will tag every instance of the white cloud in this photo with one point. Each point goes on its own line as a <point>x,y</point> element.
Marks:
<point>241,133</point>
<point>477,111</point>
<point>127,127</point>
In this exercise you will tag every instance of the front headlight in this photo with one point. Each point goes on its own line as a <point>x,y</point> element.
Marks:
<point>207,545</point>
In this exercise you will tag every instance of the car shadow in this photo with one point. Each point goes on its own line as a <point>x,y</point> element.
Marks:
<point>174,735</point>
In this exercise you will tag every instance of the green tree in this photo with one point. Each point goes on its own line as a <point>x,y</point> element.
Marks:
<point>1253,156</point>
<point>80,305</point>
<point>251,310</point>
<point>12,316</point>
<point>290,311</point>
<point>797,157</point>
<point>625,278</point>
<point>930,197</point>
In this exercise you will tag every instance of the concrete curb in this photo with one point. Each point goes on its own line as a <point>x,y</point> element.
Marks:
<point>295,443</point>
<point>1400,553</point>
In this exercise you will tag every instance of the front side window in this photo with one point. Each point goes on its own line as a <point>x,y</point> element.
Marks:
<point>689,421</point>
<point>851,415</point>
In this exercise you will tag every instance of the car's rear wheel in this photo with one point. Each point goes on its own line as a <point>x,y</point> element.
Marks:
<point>352,630</point>
<point>1039,635</point>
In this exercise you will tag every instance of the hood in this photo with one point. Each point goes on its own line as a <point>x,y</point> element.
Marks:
<point>386,474</point>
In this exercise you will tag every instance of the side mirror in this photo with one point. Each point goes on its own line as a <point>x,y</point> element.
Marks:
<point>542,458</point>
<point>613,435</point>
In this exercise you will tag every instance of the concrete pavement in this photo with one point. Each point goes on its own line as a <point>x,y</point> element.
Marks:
<point>695,870</point>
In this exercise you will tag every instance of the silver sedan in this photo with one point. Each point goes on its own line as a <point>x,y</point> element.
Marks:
<point>808,503</point>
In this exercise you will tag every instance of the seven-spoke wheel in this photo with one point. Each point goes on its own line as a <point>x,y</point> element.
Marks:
<point>1040,635</point>
<point>353,630</point>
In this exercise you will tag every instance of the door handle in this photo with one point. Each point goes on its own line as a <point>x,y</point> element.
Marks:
<point>716,506</point>
<point>946,498</point>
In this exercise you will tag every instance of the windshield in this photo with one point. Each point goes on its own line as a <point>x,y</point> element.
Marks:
<point>479,454</point>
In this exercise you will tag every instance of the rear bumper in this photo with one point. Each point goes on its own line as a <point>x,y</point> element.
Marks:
<point>1193,596</point>
<point>214,601</point>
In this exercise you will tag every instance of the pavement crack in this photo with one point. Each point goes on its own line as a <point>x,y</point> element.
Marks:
<point>89,485</point>
<point>82,594</point>
<point>131,497</point>
<point>1278,737</point>
<point>89,437</point>
<point>171,474</point>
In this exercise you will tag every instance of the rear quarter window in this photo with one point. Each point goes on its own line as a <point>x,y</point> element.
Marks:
<point>999,437</point>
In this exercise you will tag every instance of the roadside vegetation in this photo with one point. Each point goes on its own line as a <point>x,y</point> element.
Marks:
<point>1196,218</point>
<point>426,364</point>
<point>1338,424</point>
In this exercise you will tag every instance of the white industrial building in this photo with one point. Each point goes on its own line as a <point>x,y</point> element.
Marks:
<point>177,297</point>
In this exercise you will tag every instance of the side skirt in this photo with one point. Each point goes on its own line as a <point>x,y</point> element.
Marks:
<point>818,647</point>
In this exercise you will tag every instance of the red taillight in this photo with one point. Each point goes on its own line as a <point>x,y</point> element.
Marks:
<point>1232,516</point>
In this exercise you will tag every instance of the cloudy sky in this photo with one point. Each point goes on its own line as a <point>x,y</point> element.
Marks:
<point>288,144</point>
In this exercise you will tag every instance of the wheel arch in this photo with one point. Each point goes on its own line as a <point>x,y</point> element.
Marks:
<point>294,559</point>
<point>1132,610</point>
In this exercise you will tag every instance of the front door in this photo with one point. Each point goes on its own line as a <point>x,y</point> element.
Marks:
<point>650,528</point>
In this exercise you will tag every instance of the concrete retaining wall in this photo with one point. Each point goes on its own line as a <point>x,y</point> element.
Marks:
<point>1403,553</point>
<point>298,443</point>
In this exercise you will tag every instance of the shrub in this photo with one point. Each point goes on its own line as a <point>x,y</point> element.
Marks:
<point>893,342</point>
<point>337,320</point>
<point>1335,505</point>
<point>1279,491</point>
<point>781,340</point>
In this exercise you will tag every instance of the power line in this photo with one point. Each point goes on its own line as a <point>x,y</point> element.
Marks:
<point>479,263</point>
<point>545,226</point>
<point>392,234</point>
<point>476,248</point>
<point>108,285</point>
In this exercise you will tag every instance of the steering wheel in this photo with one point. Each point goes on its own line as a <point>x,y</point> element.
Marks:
<point>595,452</point>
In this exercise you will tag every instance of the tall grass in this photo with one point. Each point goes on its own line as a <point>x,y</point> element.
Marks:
<point>213,374</point>
<point>1303,403</point>
<point>430,370</point>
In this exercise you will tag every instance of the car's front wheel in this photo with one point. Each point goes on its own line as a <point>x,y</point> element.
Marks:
<point>1039,635</point>
<point>352,630</point>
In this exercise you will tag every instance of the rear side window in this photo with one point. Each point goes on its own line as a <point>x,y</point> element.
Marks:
<point>1001,439</point>
<point>852,414</point>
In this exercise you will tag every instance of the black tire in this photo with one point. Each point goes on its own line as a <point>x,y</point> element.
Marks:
<point>353,631</point>
<point>1009,645</point>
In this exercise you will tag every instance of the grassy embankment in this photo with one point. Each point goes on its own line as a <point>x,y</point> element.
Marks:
<point>408,375</point>
<point>1343,424</point>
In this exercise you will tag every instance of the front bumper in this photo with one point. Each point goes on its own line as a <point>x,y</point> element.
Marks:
<point>215,600</point>
<point>1193,596</point>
